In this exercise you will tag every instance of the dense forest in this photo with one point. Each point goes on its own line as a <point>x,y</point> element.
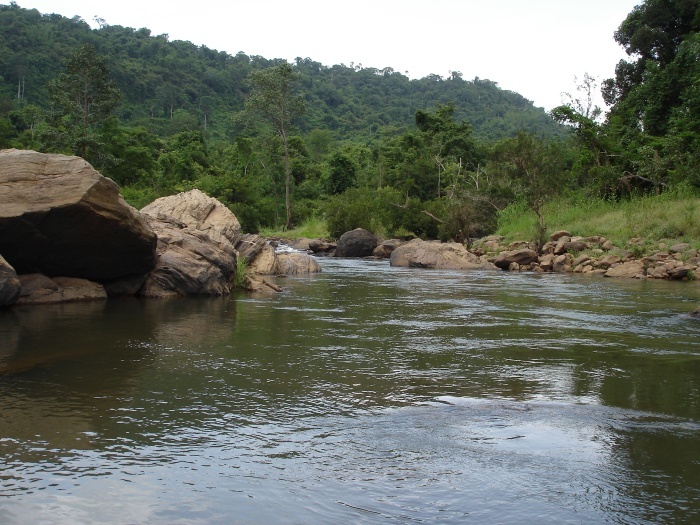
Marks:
<point>284,143</point>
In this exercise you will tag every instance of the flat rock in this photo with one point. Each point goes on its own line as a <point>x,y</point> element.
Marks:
<point>40,289</point>
<point>630,270</point>
<point>559,234</point>
<point>446,256</point>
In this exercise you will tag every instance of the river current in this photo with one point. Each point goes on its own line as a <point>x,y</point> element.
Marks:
<point>365,394</point>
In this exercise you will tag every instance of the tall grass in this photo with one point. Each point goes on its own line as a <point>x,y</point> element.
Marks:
<point>312,228</point>
<point>671,217</point>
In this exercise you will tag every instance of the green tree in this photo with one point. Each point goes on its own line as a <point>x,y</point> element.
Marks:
<point>83,97</point>
<point>642,93</point>
<point>533,170</point>
<point>341,174</point>
<point>273,96</point>
<point>447,141</point>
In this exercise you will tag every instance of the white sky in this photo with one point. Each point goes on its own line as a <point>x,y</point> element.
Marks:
<point>533,47</point>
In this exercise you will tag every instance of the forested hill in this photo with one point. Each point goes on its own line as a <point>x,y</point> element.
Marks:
<point>170,86</point>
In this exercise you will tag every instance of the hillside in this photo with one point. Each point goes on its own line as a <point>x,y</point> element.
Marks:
<point>162,81</point>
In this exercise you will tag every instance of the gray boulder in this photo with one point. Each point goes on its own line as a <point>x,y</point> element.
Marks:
<point>386,248</point>
<point>60,217</point>
<point>356,243</point>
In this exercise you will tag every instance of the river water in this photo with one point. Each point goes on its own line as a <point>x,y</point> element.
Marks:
<point>365,394</point>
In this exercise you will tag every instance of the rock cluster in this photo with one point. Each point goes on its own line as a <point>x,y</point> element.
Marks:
<point>66,234</point>
<point>262,259</point>
<point>593,255</point>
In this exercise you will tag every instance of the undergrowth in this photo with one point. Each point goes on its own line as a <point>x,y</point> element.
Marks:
<point>671,217</point>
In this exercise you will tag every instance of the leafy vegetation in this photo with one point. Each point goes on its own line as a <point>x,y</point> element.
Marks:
<point>668,218</point>
<point>331,148</point>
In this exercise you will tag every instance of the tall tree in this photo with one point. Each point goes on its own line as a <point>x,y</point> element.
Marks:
<point>273,97</point>
<point>533,169</point>
<point>84,97</point>
<point>642,94</point>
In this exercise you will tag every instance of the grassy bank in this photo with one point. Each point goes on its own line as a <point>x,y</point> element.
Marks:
<point>669,218</point>
<point>312,228</point>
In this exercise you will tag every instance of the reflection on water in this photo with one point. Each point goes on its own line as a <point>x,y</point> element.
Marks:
<point>365,394</point>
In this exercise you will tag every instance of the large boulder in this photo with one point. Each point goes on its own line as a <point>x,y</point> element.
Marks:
<point>630,270</point>
<point>9,284</point>
<point>196,239</point>
<point>296,263</point>
<point>356,243</point>
<point>60,217</point>
<point>264,262</point>
<point>521,257</point>
<point>445,256</point>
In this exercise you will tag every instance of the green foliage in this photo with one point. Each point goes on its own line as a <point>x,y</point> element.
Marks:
<point>375,209</point>
<point>671,217</point>
<point>158,77</point>
<point>341,173</point>
<point>82,99</point>
<point>239,278</point>
<point>273,97</point>
<point>533,170</point>
<point>311,228</point>
<point>373,148</point>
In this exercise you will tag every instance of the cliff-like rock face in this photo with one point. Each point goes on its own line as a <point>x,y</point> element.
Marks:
<point>196,246</point>
<point>60,217</point>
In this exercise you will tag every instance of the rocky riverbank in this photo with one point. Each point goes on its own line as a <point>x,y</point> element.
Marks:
<point>563,253</point>
<point>66,234</point>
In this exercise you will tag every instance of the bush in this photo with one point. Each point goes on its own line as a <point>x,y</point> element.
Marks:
<point>378,210</point>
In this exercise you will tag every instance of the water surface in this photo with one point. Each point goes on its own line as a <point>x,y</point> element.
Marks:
<point>366,394</point>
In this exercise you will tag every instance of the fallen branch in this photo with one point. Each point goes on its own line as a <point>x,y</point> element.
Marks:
<point>433,217</point>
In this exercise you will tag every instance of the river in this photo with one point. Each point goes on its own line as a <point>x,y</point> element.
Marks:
<point>365,395</point>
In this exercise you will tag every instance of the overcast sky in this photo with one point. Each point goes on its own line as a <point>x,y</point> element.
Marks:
<point>533,47</point>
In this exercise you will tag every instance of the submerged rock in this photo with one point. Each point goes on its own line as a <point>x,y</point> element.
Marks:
<point>296,263</point>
